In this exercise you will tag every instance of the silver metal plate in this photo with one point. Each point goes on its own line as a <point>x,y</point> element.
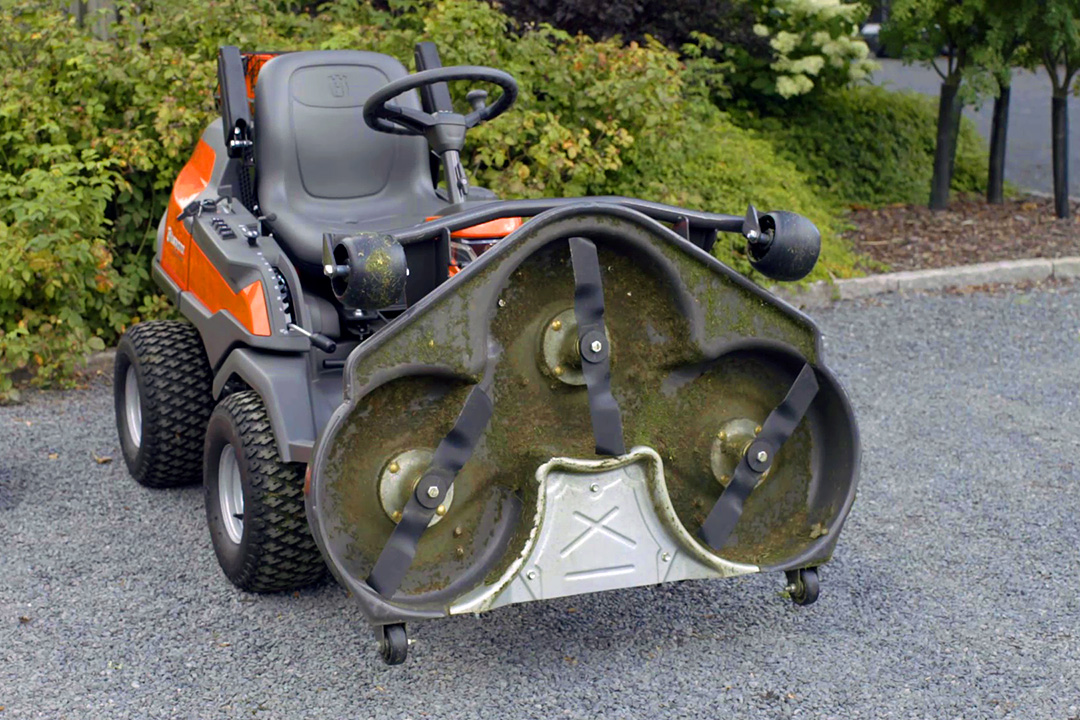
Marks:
<point>601,525</point>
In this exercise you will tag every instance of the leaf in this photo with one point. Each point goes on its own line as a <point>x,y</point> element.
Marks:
<point>102,459</point>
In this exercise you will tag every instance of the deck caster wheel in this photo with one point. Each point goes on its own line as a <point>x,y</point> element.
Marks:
<point>803,586</point>
<point>393,643</point>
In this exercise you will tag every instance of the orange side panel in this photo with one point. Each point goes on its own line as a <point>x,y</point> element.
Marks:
<point>192,180</point>
<point>248,306</point>
<point>498,228</point>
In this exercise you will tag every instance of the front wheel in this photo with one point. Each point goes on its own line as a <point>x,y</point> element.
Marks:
<point>162,391</point>
<point>255,502</point>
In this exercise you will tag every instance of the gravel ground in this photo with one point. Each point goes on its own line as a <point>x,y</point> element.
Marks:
<point>955,591</point>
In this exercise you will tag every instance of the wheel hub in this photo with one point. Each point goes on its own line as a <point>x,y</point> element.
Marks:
<point>132,406</point>
<point>231,494</point>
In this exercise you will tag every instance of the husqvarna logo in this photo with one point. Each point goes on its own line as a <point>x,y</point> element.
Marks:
<point>174,241</point>
<point>339,85</point>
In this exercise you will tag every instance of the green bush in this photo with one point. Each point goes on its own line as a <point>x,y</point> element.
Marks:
<point>92,134</point>
<point>871,146</point>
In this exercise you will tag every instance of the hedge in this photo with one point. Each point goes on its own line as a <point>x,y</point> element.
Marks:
<point>867,145</point>
<point>92,134</point>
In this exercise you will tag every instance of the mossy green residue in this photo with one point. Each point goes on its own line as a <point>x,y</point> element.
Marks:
<point>672,395</point>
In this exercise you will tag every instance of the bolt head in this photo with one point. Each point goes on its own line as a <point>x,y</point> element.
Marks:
<point>441,510</point>
<point>556,325</point>
<point>432,492</point>
<point>665,557</point>
<point>757,430</point>
<point>394,467</point>
<point>595,487</point>
<point>396,516</point>
<point>762,456</point>
<point>531,575</point>
<point>597,346</point>
<point>558,370</point>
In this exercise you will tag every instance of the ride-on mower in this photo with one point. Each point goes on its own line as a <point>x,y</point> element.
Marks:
<point>458,402</point>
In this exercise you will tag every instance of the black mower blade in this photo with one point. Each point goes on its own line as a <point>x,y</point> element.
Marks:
<point>775,431</point>
<point>450,456</point>
<point>593,345</point>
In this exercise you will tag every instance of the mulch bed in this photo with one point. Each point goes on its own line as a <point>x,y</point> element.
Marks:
<point>912,237</point>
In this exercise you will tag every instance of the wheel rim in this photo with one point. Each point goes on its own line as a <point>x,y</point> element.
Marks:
<point>231,494</point>
<point>133,406</point>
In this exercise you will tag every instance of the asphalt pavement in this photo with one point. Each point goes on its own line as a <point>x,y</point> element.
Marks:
<point>1028,162</point>
<point>954,593</point>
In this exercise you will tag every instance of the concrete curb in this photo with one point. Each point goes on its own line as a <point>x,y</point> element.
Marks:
<point>1007,272</point>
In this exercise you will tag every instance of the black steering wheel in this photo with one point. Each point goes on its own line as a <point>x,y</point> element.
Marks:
<point>384,116</point>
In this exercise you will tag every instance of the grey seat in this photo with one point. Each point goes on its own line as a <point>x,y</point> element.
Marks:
<point>319,167</point>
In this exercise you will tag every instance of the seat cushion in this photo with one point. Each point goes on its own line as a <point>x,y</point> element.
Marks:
<point>319,167</point>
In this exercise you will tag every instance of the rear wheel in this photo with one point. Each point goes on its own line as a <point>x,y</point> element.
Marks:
<point>255,502</point>
<point>162,391</point>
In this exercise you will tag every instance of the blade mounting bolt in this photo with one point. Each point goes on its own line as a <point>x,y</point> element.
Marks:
<point>757,430</point>
<point>441,510</point>
<point>595,487</point>
<point>394,467</point>
<point>397,516</point>
<point>597,346</point>
<point>665,557</point>
<point>558,370</point>
<point>762,456</point>
<point>531,574</point>
<point>556,325</point>
<point>432,492</point>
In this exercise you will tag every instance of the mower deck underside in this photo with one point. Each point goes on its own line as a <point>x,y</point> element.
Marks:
<point>699,357</point>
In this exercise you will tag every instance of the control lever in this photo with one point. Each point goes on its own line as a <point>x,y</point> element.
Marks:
<point>317,339</point>
<point>477,98</point>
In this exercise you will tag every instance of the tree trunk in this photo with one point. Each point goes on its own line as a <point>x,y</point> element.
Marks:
<point>948,129</point>
<point>1059,114</point>
<point>999,130</point>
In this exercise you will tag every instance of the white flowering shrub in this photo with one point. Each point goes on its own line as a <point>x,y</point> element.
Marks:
<point>814,44</point>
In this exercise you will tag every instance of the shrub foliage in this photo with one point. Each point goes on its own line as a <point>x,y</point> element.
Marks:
<point>92,134</point>
<point>870,146</point>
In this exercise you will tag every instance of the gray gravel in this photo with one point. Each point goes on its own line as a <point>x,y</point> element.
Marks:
<point>955,591</point>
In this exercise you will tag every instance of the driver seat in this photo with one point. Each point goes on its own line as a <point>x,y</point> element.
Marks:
<point>319,167</point>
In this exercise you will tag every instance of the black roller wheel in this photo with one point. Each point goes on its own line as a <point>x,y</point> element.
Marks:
<point>803,586</point>
<point>393,643</point>
<point>255,502</point>
<point>162,391</point>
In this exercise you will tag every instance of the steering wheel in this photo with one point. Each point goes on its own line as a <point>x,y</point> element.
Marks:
<point>384,116</point>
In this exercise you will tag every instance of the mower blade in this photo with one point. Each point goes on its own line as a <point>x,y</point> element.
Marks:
<point>450,456</point>
<point>775,431</point>
<point>593,345</point>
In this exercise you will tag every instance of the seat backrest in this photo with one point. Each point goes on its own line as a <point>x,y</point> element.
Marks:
<point>319,167</point>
